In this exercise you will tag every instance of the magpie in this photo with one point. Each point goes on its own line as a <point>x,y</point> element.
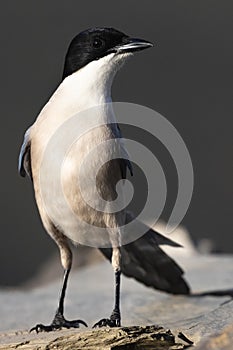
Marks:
<point>91,62</point>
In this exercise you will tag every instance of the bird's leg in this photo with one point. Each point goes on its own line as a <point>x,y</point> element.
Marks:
<point>59,320</point>
<point>116,315</point>
<point>115,319</point>
<point>60,310</point>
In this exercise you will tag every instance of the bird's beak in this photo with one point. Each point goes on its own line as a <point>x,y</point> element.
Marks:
<point>132,45</point>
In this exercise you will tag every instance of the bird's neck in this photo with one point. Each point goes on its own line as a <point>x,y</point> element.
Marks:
<point>88,87</point>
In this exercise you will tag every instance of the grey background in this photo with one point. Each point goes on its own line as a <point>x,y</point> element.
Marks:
<point>187,77</point>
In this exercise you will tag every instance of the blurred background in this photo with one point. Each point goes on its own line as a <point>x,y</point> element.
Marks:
<point>187,77</point>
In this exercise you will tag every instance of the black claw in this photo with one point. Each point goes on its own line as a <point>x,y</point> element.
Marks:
<point>42,328</point>
<point>107,322</point>
<point>113,321</point>
<point>75,323</point>
<point>58,323</point>
<point>101,323</point>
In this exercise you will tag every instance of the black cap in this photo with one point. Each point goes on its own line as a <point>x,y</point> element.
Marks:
<point>95,43</point>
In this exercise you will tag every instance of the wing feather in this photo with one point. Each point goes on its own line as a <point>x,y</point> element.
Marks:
<point>24,163</point>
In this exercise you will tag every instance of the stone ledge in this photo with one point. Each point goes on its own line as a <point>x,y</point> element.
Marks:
<point>136,337</point>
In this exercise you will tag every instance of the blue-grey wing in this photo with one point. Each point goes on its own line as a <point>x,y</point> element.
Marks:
<point>24,163</point>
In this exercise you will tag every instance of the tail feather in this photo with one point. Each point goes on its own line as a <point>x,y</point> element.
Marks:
<point>145,261</point>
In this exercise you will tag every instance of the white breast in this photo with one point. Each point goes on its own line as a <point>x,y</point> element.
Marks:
<point>59,144</point>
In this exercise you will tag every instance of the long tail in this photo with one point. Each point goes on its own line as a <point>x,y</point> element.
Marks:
<point>145,261</point>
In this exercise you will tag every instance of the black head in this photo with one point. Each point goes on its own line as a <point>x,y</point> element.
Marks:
<point>95,43</point>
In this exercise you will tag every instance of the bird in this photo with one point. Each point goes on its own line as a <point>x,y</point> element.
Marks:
<point>93,58</point>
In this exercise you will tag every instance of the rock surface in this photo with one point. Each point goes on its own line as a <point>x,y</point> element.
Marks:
<point>201,318</point>
<point>222,341</point>
<point>149,337</point>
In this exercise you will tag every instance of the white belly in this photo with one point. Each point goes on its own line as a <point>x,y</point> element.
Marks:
<point>66,188</point>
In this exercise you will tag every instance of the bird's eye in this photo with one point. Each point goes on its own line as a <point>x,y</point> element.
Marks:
<point>98,43</point>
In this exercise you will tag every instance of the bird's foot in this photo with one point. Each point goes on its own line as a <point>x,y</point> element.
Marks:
<point>113,321</point>
<point>59,322</point>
